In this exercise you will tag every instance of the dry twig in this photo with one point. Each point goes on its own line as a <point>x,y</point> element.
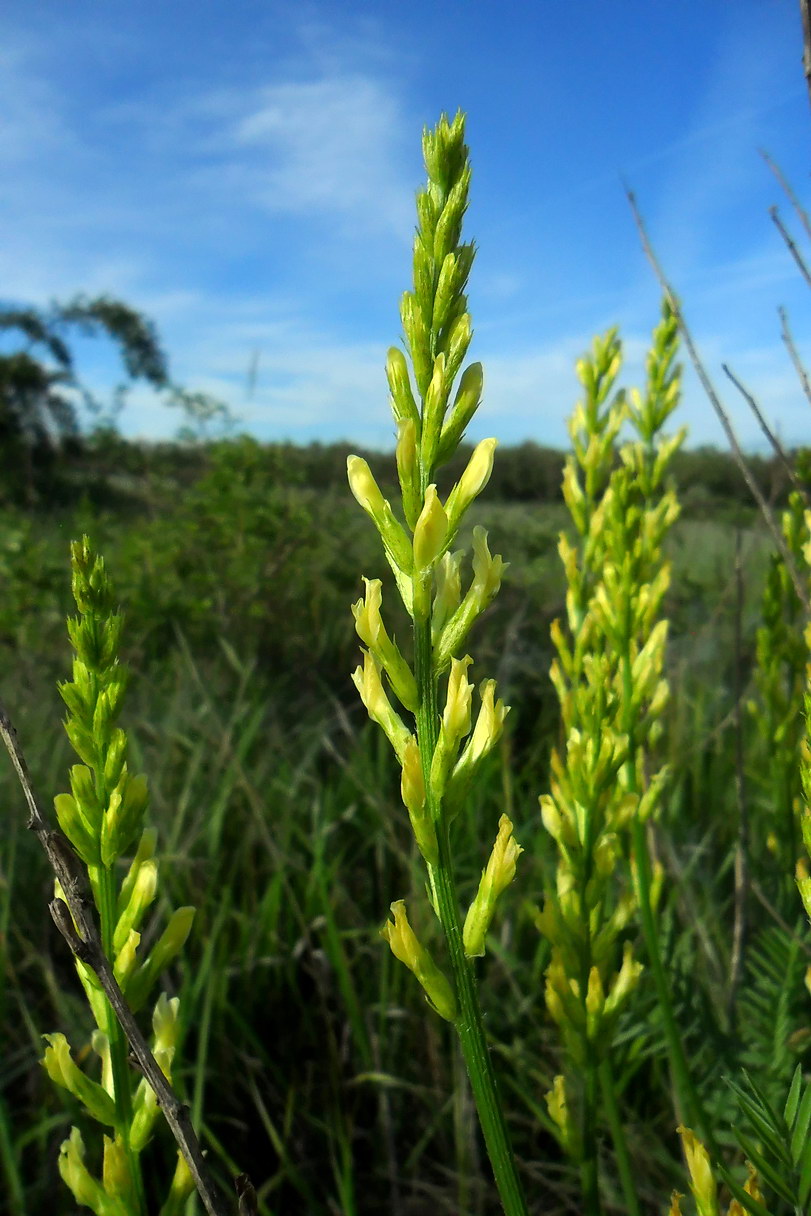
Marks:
<point>707,385</point>
<point>75,920</point>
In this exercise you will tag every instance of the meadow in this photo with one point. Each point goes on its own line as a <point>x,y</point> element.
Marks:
<point>626,993</point>
<point>304,1042</point>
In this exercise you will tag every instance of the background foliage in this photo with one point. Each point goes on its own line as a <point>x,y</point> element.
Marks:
<point>280,819</point>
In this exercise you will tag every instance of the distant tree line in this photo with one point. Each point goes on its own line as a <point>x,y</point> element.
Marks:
<point>48,458</point>
<point>708,479</point>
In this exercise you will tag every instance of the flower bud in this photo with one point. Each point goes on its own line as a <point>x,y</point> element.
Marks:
<point>487,573</point>
<point>466,402</point>
<point>459,339</point>
<point>702,1183</point>
<point>419,340</point>
<point>436,400</point>
<point>86,1189</point>
<point>430,532</point>
<point>407,470</point>
<point>368,683</point>
<point>455,725</point>
<point>367,492</point>
<point>73,824</point>
<point>405,946</point>
<point>448,591</point>
<point>624,983</point>
<point>486,733</point>
<point>116,1176</point>
<point>498,874</point>
<point>124,816</point>
<point>142,895</point>
<point>471,483</point>
<point>456,716</point>
<point>412,787</point>
<point>595,1003</point>
<point>166,948</point>
<point>62,1069</point>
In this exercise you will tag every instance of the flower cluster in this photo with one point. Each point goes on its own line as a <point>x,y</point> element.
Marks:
<point>608,675</point>
<point>439,750</point>
<point>103,818</point>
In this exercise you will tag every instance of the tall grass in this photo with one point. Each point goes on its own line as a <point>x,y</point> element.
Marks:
<point>306,1052</point>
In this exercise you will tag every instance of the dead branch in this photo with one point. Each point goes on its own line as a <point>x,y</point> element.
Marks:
<point>74,916</point>
<point>701,372</point>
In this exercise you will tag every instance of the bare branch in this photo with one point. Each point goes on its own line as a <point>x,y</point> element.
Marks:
<point>794,354</point>
<point>805,9</point>
<point>776,445</point>
<point>75,919</point>
<point>741,916</point>
<point>701,372</point>
<point>802,214</point>
<point>792,247</point>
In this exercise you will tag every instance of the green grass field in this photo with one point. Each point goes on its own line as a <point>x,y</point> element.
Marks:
<point>307,1058</point>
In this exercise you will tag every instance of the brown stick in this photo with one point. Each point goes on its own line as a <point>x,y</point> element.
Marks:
<point>794,354</point>
<point>802,214</point>
<point>75,920</point>
<point>776,445</point>
<point>805,9</point>
<point>790,242</point>
<point>732,438</point>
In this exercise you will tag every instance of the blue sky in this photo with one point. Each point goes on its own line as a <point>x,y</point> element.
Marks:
<point>245,174</point>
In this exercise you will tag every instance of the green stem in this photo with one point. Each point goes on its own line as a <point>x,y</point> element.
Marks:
<point>118,1043</point>
<point>612,1113</point>
<point>468,1024</point>
<point>687,1096</point>
<point>589,1165</point>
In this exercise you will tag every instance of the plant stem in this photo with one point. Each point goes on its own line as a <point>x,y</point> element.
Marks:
<point>614,1118</point>
<point>589,1166</point>
<point>687,1095</point>
<point>105,886</point>
<point>468,1024</point>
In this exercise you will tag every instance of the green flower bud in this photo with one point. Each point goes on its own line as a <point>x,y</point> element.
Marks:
<point>436,400</point>
<point>80,1182</point>
<point>471,483</point>
<point>430,532</point>
<point>467,401</point>
<point>146,850</point>
<point>407,470</point>
<point>419,341</point>
<point>460,335</point>
<point>496,877</point>
<point>124,817</point>
<point>116,755</point>
<point>405,947</point>
<point>368,683</point>
<point>371,630</point>
<point>412,787</point>
<point>487,573</point>
<point>73,824</point>
<point>116,1176</point>
<point>143,893</point>
<point>127,959</point>
<point>455,725</point>
<point>366,491</point>
<point>166,948</point>
<point>448,591</point>
<point>63,1071</point>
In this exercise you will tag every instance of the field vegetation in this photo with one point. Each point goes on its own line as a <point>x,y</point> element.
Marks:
<point>306,1052</point>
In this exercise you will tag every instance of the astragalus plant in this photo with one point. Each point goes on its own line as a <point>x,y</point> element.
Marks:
<point>438,735</point>
<point>100,907</point>
<point>605,785</point>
